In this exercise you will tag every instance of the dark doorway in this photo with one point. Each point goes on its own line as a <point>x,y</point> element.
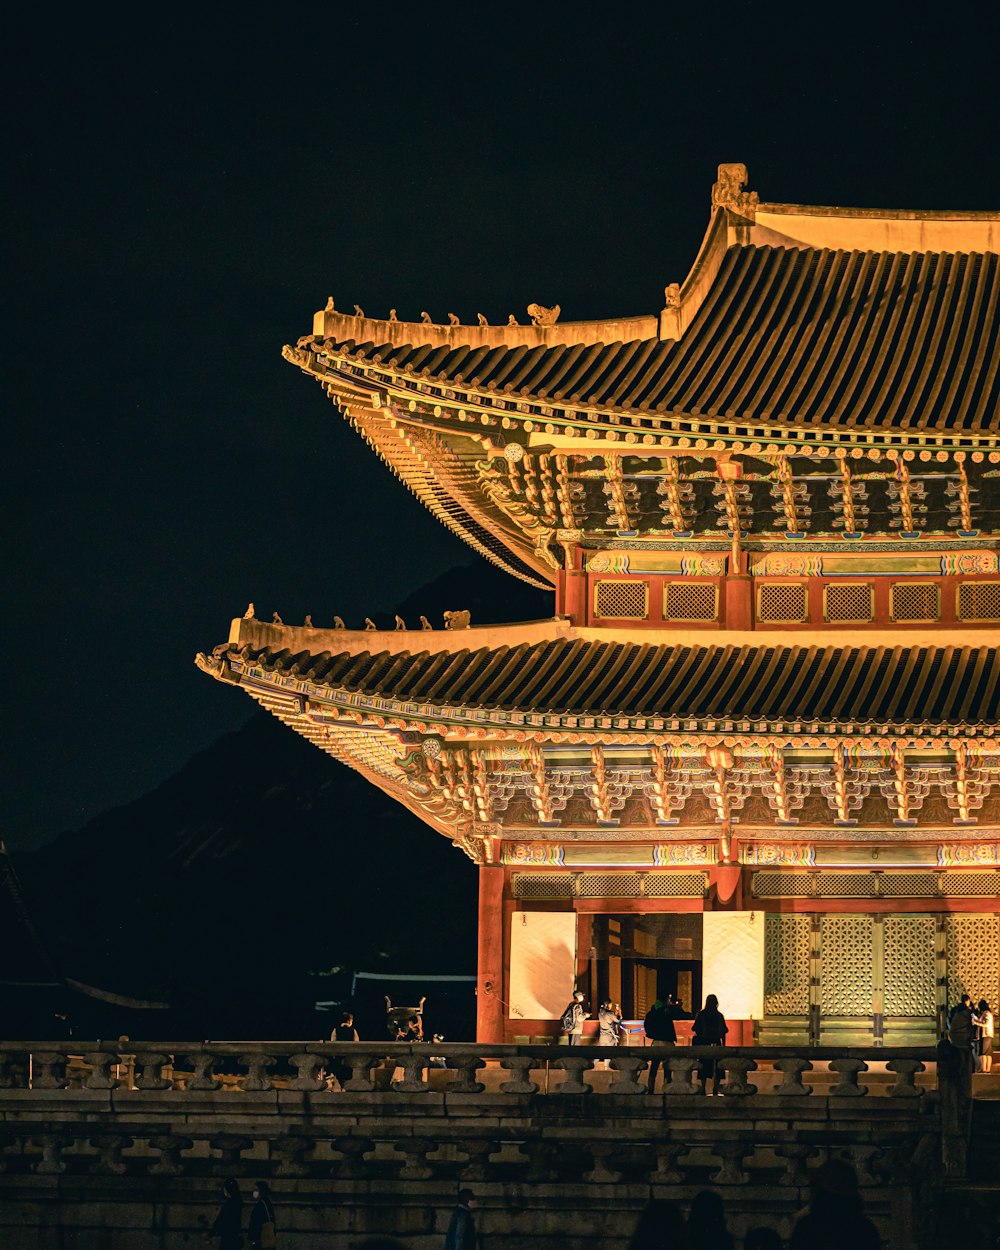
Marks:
<point>641,958</point>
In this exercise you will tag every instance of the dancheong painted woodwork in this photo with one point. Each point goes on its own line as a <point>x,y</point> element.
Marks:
<point>769,514</point>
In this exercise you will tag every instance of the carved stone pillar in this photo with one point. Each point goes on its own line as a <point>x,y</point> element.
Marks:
<point>520,1082</point>
<point>629,1068</point>
<point>413,1075</point>
<point>48,1069</point>
<point>791,1070</point>
<point>256,1080</point>
<point>601,1173</point>
<point>230,1147</point>
<point>847,1086</point>
<point>307,1068</point>
<point>574,1067</point>
<point>289,1152</point>
<point>416,1150</point>
<point>479,1150</point>
<point>170,1147</point>
<point>110,1154</point>
<point>906,1071</point>
<point>736,1084</point>
<point>466,1066</point>
<point>149,1071</point>
<point>682,1078</point>
<point>796,1174</point>
<point>732,1154</point>
<point>101,1063</point>
<point>51,1145</point>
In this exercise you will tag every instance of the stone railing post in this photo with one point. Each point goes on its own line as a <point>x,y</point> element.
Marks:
<point>149,1070</point>
<point>289,1152</point>
<point>256,1080</point>
<point>361,1063</point>
<point>574,1066</point>
<point>307,1065</point>
<point>629,1067</point>
<point>51,1145</point>
<point>906,1071</point>
<point>48,1069</point>
<point>667,1171</point>
<point>520,1082</point>
<point>682,1078</point>
<point>101,1062</point>
<point>110,1150</point>
<point>413,1075</point>
<point>170,1147</point>
<point>601,1173</point>
<point>466,1066</point>
<point>791,1070</point>
<point>736,1084</point>
<point>732,1154</point>
<point>416,1150</point>
<point>230,1147</point>
<point>479,1150</point>
<point>847,1086</point>
<point>796,1173</point>
<point>202,1064</point>
<point>353,1165</point>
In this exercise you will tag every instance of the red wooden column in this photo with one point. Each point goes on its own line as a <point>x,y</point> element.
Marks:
<point>490,983</point>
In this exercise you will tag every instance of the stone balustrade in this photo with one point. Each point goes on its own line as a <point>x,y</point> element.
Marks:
<point>495,1070</point>
<point>535,1130</point>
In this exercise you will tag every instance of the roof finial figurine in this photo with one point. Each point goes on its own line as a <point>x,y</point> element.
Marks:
<point>276,620</point>
<point>400,623</point>
<point>425,317</point>
<point>369,623</point>
<point>425,623</point>
<point>672,295</point>
<point>392,315</point>
<point>727,192</point>
<point>453,319</point>
<point>512,320</point>
<point>308,622</point>
<point>541,316</point>
<point>338,623</point>
<point>481,319</point>
<point>457,620</point>
<point>329,304</point>
<point>358,311</point>
<point>248,614</point>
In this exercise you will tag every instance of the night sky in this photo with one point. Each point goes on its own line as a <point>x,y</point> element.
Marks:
<point>181,201</point>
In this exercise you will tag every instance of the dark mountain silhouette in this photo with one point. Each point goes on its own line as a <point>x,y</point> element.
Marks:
<point>237,888</point>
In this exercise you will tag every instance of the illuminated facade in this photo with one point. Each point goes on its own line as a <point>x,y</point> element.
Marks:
<point>755,748</point>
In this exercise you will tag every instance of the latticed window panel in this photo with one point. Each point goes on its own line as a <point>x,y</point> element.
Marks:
<point>782,603</point>
<point>786,965</point>
<point>846,968</point>
<point>845,885</point>
<point>622,601</point>
<point>542,885</point>
<point>970,884</point>
<point>979,601</point>
<point>850,603</point>
<point>782,884</point>
<point>609,885</point>
<point>675,884</point>
<point>690,601</point>
<point>915,601</point>
<point>972,943</point>
<point>908,885</point>
<point>908,954</point>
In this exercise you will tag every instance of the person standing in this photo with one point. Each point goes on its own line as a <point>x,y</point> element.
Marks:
<point>985,1036</point>
<point>709,1029</point>
<point>573,1018</point>
<point>835,1217</point>
<point>228,1225</point>
<point>659,1029</point>
<point>345,1031</point>
<point>461,1234</point>
<point>609,1026</point>
<point>262,1228</point>
<point>962,1031</point>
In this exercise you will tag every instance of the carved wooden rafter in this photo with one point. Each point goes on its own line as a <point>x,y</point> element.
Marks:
<point>669,488</point>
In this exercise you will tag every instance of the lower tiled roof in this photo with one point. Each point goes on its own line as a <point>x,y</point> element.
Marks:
<point>913,685</point>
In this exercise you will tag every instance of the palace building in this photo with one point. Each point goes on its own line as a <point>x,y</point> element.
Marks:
<point>754,751</point>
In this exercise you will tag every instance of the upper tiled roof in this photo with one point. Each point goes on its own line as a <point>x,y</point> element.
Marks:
<point>784,335</point>
<point>896,685</point>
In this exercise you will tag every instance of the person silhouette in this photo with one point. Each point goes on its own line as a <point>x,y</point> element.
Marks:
<point>835,1217</point>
